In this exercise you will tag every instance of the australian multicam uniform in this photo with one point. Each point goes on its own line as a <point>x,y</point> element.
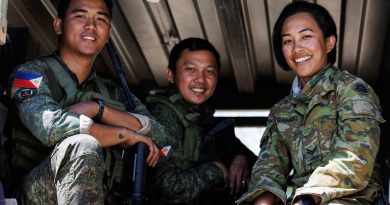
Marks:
<point>73,172</point>
<point>328,132</point>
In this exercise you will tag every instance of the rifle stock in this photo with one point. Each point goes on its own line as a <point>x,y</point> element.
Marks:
<point>139,165</point>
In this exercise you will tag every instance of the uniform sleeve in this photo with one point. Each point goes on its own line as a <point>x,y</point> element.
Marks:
<point>154,129</point>
<point>37,109</point>
<point>271,168</point>
<point>179,182</point>
<point>351,164</point>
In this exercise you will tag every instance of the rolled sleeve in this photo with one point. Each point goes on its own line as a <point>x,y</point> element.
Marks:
<point>85,124</point>
<point>145,123</point>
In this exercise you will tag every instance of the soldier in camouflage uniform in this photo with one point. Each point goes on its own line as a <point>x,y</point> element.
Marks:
<point>75,133</point>
<point>190,164</point>
<point>326,130</point>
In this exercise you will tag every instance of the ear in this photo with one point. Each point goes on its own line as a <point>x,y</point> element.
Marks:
<point>109,34</point>
<point>170,75</point>
<point>57,24</point>
<point>330,43</point>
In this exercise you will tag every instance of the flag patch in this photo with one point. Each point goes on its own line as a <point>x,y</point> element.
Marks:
<point>165,151</point>
<point>27,80</point>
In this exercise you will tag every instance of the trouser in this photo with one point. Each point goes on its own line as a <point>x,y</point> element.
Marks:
<point>71,174</point>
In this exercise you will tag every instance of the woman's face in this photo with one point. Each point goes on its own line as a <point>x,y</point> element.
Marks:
<point>304,46</point>
<point>196,76</point>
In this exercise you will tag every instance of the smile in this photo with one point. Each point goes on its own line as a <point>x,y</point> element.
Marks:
<point>198,90</point>
<point>305,58</point>
<point>90,38</point>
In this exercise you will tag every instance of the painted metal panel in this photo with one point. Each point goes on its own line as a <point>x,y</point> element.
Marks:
<point>260,35</point>
<point>351,39</point>
<point>141,23</point>
<point>186,18</point>
<point>372,40</point>
<point>213,33</point>
<point>236,42</point>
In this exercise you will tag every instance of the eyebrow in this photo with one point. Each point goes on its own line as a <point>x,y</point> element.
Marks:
<point>85,11</point>
<point>303,30</point>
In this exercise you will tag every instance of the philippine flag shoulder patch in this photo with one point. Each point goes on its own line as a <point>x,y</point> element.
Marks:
<point>27,80</point>
<point>165,151</point>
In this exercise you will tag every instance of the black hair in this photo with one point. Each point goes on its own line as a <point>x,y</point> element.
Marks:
<point>320,15</point>
<point>63,6</point>
<point>192,44</point>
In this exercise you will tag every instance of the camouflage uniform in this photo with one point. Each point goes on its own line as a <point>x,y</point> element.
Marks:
<point>328,132</point>
<point>73,171</point>
<point>180,179</point>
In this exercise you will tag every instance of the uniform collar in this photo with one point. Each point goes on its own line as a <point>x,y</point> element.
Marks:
<point>91,76</point>
<point>322,82</point>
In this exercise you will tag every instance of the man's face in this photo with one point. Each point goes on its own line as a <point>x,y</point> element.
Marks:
<point>196,76</point>
<point>85,28</point>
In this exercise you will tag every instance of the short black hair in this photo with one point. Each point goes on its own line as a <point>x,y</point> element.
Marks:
<point>192,44</point>
<point>320,15</point>
<point>63,5</point>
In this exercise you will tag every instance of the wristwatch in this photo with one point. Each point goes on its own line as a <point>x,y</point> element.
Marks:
<point>99,115</point>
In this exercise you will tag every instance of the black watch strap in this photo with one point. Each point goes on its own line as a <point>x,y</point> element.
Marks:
<point>99,115</point>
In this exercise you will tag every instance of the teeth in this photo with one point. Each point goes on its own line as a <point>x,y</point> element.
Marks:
<point>197,90</point>
<point>89,38</point>
<point>302,59</point>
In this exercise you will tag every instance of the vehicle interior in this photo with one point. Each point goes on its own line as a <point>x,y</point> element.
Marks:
<point>250,80</point>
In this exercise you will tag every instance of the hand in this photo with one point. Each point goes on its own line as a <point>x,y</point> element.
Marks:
<point>238,175</point>
<point>266,198</point>
<point>223,169</point>
<point>308,199</point>
<point>153,149</point>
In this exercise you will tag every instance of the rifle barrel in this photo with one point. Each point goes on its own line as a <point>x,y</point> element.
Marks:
<point>140,150</point>
<point>119,71</point>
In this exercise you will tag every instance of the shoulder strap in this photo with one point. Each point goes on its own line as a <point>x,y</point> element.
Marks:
<point>63,78</point>
<point>169,101</point>
<point>192,132</point>
<point>102,87</point>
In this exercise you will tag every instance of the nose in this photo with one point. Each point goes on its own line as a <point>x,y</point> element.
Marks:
<point>297,47</point>
<point>91,24</point>
<point>200,77</point>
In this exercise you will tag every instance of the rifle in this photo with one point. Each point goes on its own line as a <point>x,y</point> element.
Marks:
<point>140,149</point>
<point>221,144</point>
<point>211,146</point>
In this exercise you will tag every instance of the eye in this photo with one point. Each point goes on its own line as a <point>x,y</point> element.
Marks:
<point>211,71</point>
<point>306,36</point>
<point>286,41</point>
<point>102,19</point>
<point>189,68</point>
<point>80,16</point>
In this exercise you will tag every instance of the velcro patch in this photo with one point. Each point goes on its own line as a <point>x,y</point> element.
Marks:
<point>24,93</point>
<point>27,80</point>
<point>165,151</point>
<point>360,88</point>
<point>363,107</point>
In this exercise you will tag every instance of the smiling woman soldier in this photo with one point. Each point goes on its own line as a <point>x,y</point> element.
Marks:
<point>326,130</point>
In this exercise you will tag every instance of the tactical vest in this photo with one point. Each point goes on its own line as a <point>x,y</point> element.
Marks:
<point>191,121</point>
<point>28,151</point>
